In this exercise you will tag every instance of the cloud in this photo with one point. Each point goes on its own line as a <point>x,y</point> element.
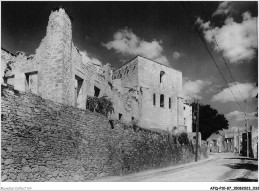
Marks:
<point>203,25</point>
<point>237,41</point>
<point>127,43</point>
<point>240,116</point>
<point>223,9</point>
<point>248,90</point>
<point>87,59</point>
<point>176,55</point>
<point>192,89</point>
<point>214,88</point>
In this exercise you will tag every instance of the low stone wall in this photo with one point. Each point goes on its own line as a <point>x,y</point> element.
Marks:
<point>46,141</point>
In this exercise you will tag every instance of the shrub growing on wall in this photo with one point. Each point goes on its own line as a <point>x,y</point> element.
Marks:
<point>92,103</point>
<point>183,138</point>
<point>101,105</point>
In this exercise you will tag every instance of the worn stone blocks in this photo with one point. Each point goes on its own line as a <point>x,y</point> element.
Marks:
<point>84,143</point>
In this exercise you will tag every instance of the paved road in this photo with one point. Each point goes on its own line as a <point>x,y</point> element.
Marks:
<point>223,167</point>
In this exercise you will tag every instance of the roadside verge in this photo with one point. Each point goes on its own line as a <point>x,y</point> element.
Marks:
<point>130,177</point>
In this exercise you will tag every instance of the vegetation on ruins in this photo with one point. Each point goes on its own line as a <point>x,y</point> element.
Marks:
<point>8,66</point>
<point>101,105</point>
<point>210,121</point>
<point>183,138</point>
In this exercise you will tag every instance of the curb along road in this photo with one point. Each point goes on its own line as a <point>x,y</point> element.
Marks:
<point>128,178</point>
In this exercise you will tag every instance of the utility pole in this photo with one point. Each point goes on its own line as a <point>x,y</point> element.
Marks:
<point>197,132</point>
<point>234,144</point>
<point>238,141</point>
<point>178,111</point>
<point>247,139</point>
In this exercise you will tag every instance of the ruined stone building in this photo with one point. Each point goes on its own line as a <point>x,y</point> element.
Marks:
<point>56,71</point>
<point>151,94</point>
<point>144,92</point>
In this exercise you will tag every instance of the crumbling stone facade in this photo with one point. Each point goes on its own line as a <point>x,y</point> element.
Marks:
<point>151,95</point>
<point>56,71</point>
<point>144,92</point>
<point>48,73</point>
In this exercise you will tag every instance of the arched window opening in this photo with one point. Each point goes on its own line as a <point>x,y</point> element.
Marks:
<point>161,75</point>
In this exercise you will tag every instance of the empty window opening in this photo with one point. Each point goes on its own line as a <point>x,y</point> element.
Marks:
<point>78,91</point>
<point>126,70</point>
<point>154,99</point>
<point>184,108</point>
<point>133,118</point>
<point>120,116</point>
<point>161,100</point>
<point>32,82</point>
<point>96,91</point>
<point>111,124</point>
<point>170,103</point>
<point>161,75</point>
<point>9,80</point>
<point>193,128</point>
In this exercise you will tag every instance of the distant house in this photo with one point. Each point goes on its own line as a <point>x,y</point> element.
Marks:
<point>253,142</point>
<point>254,131</point>
<point>216,143</point>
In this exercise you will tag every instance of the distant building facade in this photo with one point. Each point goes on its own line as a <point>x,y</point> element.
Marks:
<point>216,143</point>
<point>144,92</point>
<point>254,131</point>
<point>187,117</point>
<point>235,141</point>
<point>253,142</point>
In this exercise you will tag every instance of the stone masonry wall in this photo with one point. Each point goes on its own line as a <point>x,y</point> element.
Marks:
<point>170,86</point>
<point>46,141</point>
<point>55,52</point>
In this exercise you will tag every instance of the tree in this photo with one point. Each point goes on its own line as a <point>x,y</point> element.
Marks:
<point>210,121</point>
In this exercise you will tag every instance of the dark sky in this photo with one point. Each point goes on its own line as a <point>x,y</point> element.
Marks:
<point>23,26</point>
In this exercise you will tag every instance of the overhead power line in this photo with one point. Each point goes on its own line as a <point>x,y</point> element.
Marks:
<point>219,50</point>
<point>202,39</point>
